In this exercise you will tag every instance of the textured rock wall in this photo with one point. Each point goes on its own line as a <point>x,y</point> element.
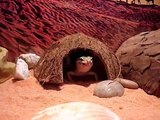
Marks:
<point>33,25</point>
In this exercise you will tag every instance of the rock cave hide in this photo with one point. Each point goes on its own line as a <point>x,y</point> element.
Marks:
<point>60,58</point>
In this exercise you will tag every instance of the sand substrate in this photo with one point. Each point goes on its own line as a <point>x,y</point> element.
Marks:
<point>20,100</point>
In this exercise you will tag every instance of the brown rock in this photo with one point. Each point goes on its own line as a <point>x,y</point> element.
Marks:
<point>127,83</point>
<point>153,51</point>
<point>126,69</point>
<point>157,58</point>
<point>138,51</point>
<point>152,78</point>
<point>144,67</point>
<point>140,63</point>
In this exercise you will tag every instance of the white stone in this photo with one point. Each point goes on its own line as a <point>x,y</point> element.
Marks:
<point>21,70</point>
<point>30,58</point>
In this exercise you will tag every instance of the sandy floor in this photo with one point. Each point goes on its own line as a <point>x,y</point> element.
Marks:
<point>20,100</point>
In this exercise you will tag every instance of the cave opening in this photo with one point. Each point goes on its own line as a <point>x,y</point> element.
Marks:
<point>69,63</point>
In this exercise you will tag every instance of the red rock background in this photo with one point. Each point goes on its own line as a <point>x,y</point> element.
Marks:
<point>33,25</point>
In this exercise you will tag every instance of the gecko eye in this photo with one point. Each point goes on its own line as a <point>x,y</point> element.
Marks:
<point>80,59</point>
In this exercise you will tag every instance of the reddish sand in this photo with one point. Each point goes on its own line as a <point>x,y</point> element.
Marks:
<point>20,100</point>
